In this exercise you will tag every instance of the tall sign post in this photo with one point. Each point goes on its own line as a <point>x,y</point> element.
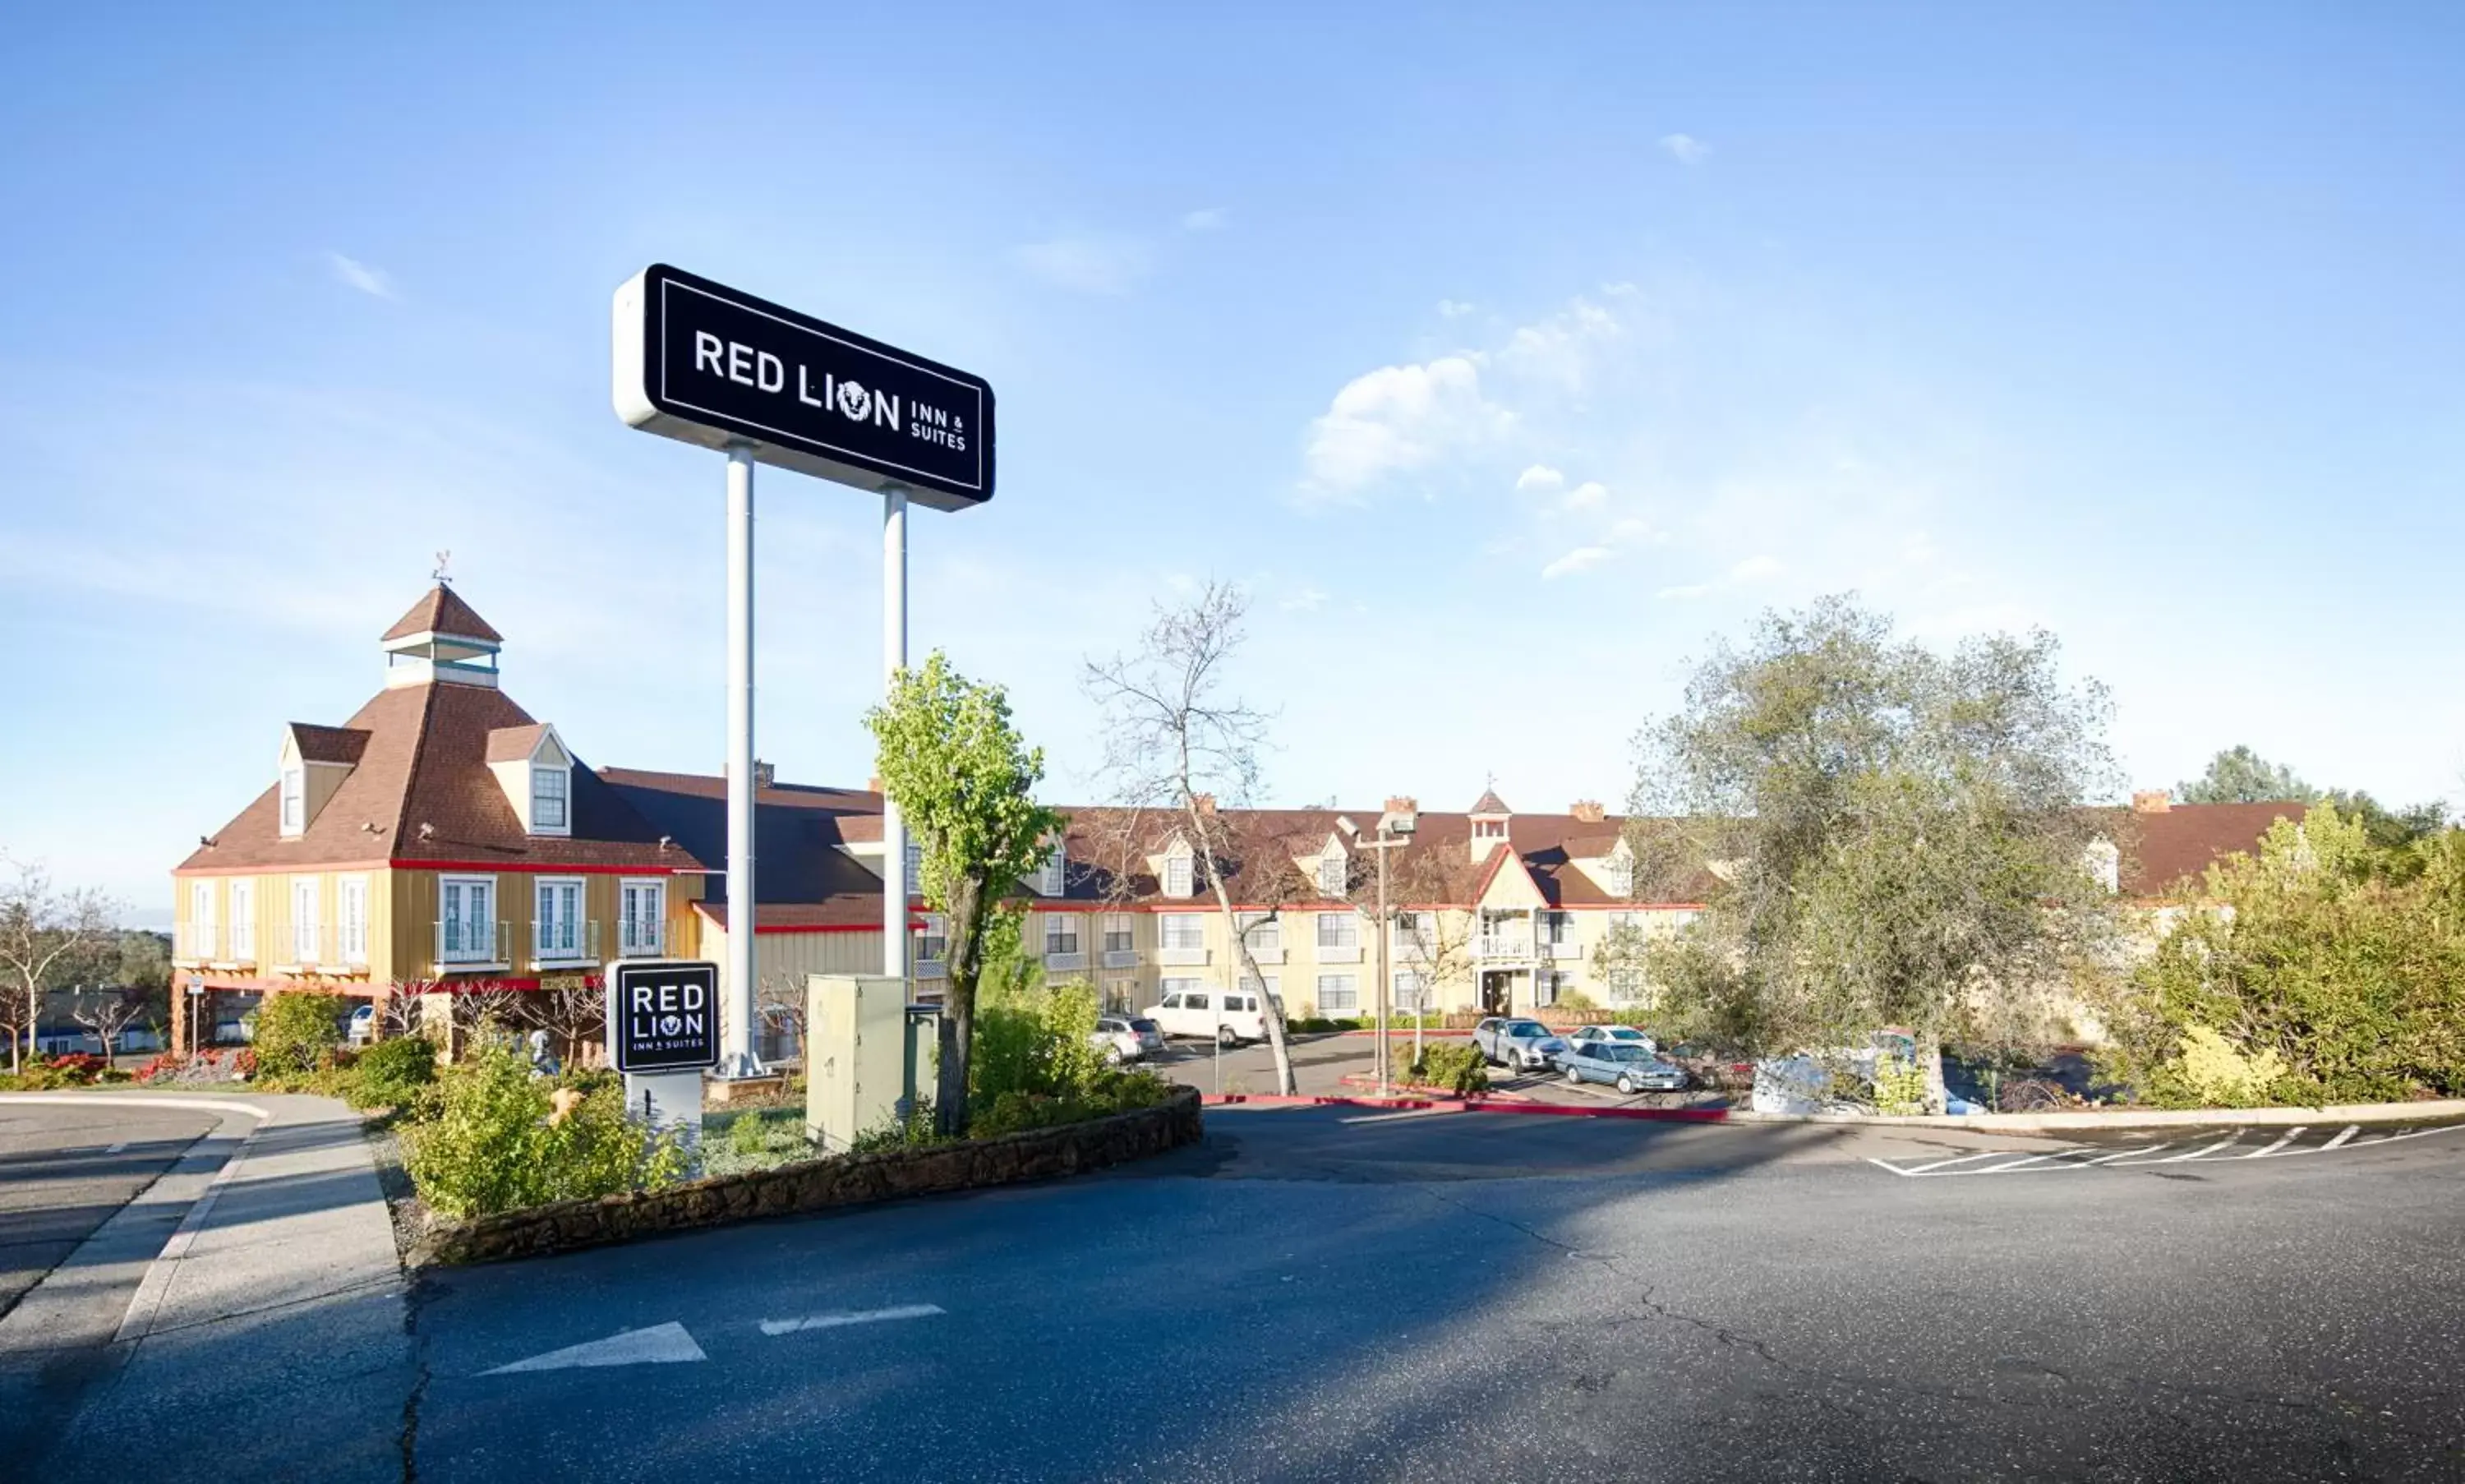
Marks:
<point>708,365</point>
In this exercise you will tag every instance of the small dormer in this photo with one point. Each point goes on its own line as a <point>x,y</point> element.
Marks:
<point>1177,869</point>
<point>315,761</point>
<point>441,641</point>
<point>1616,870</point>
<point>536,771</point>
<point>1052,875</point>
<point>1489,816</point>
<point>1332,873</point>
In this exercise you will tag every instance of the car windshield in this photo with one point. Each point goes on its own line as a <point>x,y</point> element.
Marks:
<point>1524,1028</point>
<point>1611,1050</point>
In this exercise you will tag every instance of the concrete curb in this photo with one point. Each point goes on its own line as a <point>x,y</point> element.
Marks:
<point>2151,1118</point>
<point>143,1100</point>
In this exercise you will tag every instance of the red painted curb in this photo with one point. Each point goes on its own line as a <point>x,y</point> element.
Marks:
<point>1442,1094</point>
<point>1471,1105</point>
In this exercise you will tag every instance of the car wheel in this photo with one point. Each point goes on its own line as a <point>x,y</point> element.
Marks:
<point>1626,1086</point>
<point>1112,1056</point>
<point>1574,1079</point>
<point>1225,1038</point>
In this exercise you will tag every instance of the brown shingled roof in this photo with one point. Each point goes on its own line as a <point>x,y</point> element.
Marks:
<point>2164,852</point>
<point>515,744</point>
<point>443,610</point>
<point>1489,803</point>
<point>327,744</point>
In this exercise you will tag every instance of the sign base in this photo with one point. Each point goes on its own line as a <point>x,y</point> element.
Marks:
<point>668,1102</point>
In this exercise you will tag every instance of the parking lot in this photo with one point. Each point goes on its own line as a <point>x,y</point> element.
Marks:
<point>1322,1063</point>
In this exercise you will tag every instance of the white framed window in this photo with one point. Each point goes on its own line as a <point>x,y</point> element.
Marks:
<point>1546,985</point>
<point>1339,993</point>
<point>304,934</point>
<point>915,869</point>
<point>1181,930</point>
<point>1270,984</point>
<point>556,918</point>
<point>1179,876</point>
<point>201,918</point>
<point>1060,933</point>
<point>1556,927</point>
<point>549,786</point>
<point>1118,933</point>
<point>933,940</point>
<point>1264,932</point>
<point>1624,919</point>
<point>1489,830</point>
<point>351,917</point>
<point>1339,930</point>
<point>1415,933</point>
<point>642,918</point>
<point>1332,875</point>
<point>243,920</point>
<point>295,799</point>
<point>1411,991</point>
<point>466,919</point>
<point>1052,876</point>
<point>1621,876</point>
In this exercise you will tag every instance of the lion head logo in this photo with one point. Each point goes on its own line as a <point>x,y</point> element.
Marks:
<point>672,1025</point>
<point>855,401</point>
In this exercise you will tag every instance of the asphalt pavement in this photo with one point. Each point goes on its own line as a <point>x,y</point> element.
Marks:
<point>1349,1293</point>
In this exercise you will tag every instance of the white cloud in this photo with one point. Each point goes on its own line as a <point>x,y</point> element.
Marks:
<point>1539,477</point>
<point>1454,309</point>
<point>375,282</point>
<point>1561,349</point>
<point>1087,264</point>
<point>1308,600</point>
<point>1690,591</point>
<point>1685,149</point>
<point>1399,418</point>
<point>1590,495</point>
<point>1205,219</point>
<point>1755,570</point>
<point>1581,558</point>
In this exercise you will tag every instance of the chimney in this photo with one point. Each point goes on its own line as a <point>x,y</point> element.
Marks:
<point>1206,803</point>
<point>1403,804</point>
<point>873,784</point>
<point>2151,801</point>
<point>1588,811</point>
<point>1403,815</point>
<point>763,774</point>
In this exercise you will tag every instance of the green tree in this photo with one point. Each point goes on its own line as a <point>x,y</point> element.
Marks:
<point>49,939</point>
<point>1883,835</point>
<point>2239,775</point>
<point>964,783</point>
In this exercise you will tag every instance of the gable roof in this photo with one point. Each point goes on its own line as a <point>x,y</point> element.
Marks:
<point>424,761</point>
<point>515,744</point>
<point>2164,853</point>
<point>443,610</point>
<point>1489,803</point>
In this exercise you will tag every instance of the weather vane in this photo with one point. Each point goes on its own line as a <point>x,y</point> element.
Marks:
<point>444,561</point>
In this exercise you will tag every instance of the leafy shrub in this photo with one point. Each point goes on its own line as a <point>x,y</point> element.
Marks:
<point>492,1147</point>
<point>299,1032</point>
<point>2335,972</point>
<point>755,1141</point>
<point>205,1067</point>
<point>1455,1066</point>
<point>913,1132</point>
<point>395,1073</point>
<point>1899,1087</point>
<point>75,1069</point>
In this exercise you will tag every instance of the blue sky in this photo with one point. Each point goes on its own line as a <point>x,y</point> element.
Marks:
<point>1504,354</point>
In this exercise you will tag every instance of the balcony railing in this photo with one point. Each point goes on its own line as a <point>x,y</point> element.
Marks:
<point>1120,958</point>
<point>647,941</point>
<point>1562,951</point>
<point>197,942</point>
<point>296,947</point>
<point>565,943</point>
<point>1065,963</point>
<point>1179,957</point>
<point>1501,945</point>
<point>467,945</point>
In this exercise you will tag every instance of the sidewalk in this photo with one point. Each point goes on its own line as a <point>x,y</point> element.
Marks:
<point>275,1307</point>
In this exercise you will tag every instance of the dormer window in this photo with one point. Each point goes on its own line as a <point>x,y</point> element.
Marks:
<point>294,800</point>
<point>548,786</point>
<point>1331,873</point>
<point>1053,876</point>
<point>1179,876</point>
<point>1489,830</point>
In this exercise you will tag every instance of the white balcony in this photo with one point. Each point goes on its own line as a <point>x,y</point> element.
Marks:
<point>1120,958</point>
<point>1492,948</point>
<point>1561,952</point>
<point>463,946</point>
<point>196,943</point>
<point>1178,958</point>
<point>1065,963</point>
<point>565,944</point>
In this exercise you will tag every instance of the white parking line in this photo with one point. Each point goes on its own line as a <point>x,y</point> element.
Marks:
<point>2125,1154</point>
<point>2287,1138</point>
<point>2351,1129</point>
<point>2035,1158</point>
<point>2194,1154</point>
<point>1408,1113</point>
<point>1982,1154</point>
<point>854,1317</point>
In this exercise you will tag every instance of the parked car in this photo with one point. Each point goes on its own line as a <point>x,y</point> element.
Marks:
<point>1519,1044</point>
<point>1624,1034</point>
<point>364,1024</point>
<point>1127,1038</point>
<point>1629,1067</point>
<point>1228,1017</point>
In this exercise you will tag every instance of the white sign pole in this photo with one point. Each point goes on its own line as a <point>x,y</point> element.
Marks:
<point>735,1045</point>
<point>893,659</point>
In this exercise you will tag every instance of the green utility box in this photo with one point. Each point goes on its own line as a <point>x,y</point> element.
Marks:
<point>869,1054</point>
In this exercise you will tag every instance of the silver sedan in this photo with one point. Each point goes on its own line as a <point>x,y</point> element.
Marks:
<point>1623,1065</point>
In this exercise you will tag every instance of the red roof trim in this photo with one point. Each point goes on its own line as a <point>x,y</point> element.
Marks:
<point>550,869</point>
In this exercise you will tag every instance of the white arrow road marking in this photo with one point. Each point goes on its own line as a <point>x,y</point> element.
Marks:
<point>853,1317</point>
<point>662,1344</point>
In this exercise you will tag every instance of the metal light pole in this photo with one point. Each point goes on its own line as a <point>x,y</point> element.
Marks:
<point>893,659</point>
<point>735,1049</point>
<point>1386,932</point>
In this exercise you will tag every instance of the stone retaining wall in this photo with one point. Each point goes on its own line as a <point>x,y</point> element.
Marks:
<point>817,1184</point>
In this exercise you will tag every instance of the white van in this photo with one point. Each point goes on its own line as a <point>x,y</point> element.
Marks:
<point>1228,1016</point>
